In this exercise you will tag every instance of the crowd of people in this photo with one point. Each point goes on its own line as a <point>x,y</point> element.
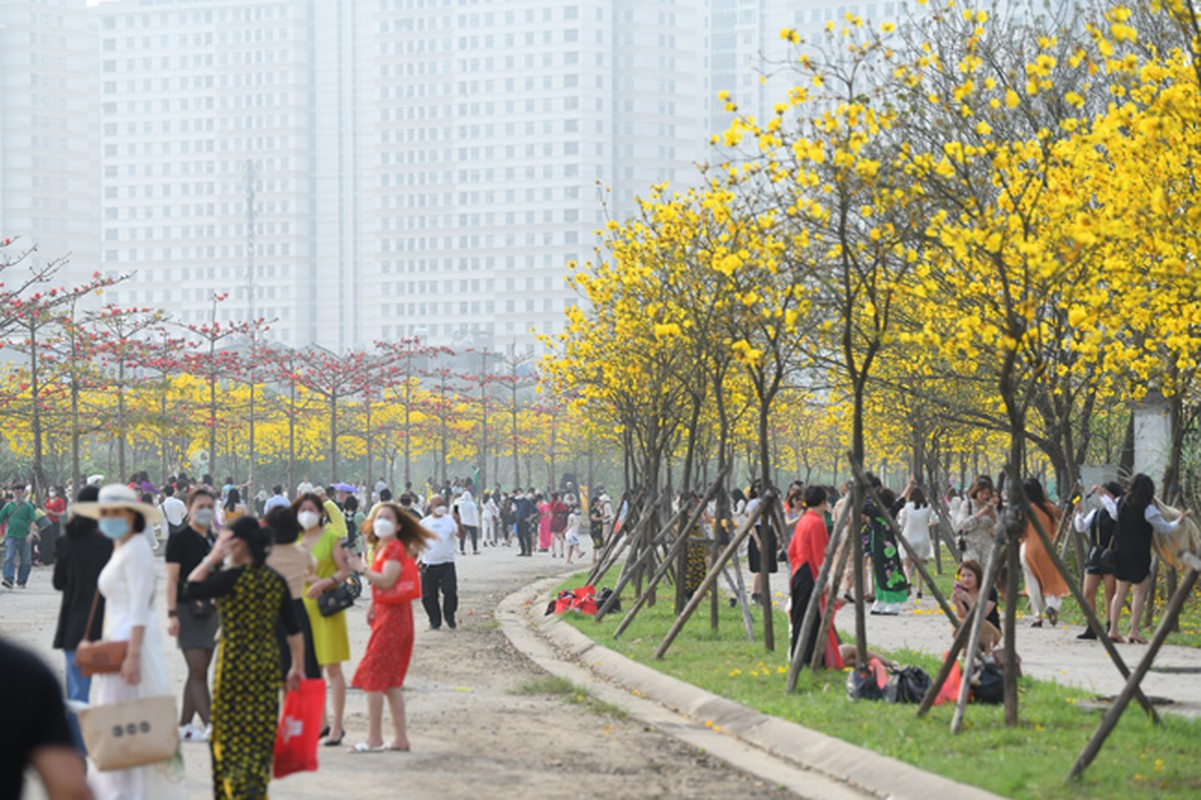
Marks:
<point>245,599</point>
<point>251,591</point>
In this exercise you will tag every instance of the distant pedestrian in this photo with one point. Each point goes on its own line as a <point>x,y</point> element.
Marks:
<point>396,539</point>
<point>596,527</point>
<point>469,517</point>
<point>559,511</point>
<point>55,507</point>
<point>571,536</point>
<point>18,516</point>
<point>525,520</point>
<point>276,500</point>
<point>439,575</point>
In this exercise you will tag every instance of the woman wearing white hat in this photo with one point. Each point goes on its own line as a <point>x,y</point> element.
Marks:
<point>128,585</point>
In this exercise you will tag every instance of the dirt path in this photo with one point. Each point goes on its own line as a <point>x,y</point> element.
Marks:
<point>473,724</point>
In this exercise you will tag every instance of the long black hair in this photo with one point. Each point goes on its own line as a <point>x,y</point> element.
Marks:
<point>1141,492</point>
<point>78,524</point>
<point>1036,495</point>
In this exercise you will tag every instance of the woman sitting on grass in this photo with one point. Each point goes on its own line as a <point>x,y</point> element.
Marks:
<point>966,595</point>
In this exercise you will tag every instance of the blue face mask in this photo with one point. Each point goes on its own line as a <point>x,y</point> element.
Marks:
<point>114,527</point>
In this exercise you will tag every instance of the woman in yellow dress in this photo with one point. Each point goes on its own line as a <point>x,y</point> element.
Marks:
<point>330,638</point>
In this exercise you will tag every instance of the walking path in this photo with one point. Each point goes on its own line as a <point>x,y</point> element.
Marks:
<point>1053,654</point>
<point>473,730</point>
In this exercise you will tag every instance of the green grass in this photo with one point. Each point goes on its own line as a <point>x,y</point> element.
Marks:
<point>1030,761</point>
<point>560,687</point>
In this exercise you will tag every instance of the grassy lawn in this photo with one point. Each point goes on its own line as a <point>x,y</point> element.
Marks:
<point>1030,761</point>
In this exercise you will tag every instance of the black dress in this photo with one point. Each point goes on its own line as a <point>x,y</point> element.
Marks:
<point>1133,545</point>
<point>77,565</point>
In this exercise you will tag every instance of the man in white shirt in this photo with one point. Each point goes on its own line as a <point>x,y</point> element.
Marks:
<point>173,508</point>
<point>439,566</point>
<point>276,500</point>
<point>304,487</point>
<point>469,518</point>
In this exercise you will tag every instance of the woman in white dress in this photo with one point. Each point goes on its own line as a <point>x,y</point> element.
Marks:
<point>916,519</point>
<point>128,585</point>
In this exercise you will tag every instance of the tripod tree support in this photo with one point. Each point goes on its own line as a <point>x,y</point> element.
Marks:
<point>676,550</point>
<point>714,574</point>
<point>1110,720</point>
<point>631,570</point>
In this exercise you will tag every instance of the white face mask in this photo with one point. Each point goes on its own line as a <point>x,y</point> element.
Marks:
<point>440,511</point>
<point>384,528</point>
<point>308,519</point>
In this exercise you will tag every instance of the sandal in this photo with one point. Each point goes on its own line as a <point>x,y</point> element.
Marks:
<point>1137,640</point>
<point>363,747</point>
<point>1038,623</point>
<point>332,742</point>
<point>1116,638</point>
<point>404,749</point>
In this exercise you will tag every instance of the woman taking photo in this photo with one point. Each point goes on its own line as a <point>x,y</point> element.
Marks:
<point>1138,519</point>
<point>194,625</point>
<point>127,583</point>
<point>253,598</point>
<point>397,539</point>
<point>331,642</point>
<point>966,595</point>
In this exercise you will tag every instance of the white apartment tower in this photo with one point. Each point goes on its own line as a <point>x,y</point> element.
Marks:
<point>48,142</point>
<point>359,171</point>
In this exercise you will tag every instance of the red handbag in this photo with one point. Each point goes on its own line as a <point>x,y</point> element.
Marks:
<point>299,729</point>
<point>408,584</point>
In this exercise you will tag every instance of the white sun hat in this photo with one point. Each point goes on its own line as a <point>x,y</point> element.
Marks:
<point>117,495</point>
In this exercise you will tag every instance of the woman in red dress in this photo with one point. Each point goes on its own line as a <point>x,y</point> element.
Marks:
<point>806,552</point>
<point>395,582</point>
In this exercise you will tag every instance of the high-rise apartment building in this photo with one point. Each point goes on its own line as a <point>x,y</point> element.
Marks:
<point>357,171</point>
<point>48,143</point>
<point>408,167</point>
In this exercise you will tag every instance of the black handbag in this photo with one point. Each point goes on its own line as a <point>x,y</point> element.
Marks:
<point>988,684</point>
<point>340,598</point>
<point>907,685</point>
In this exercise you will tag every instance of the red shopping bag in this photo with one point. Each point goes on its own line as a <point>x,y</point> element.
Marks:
<point>585,600</point>
<point>299,729</point>
<point>950,689</point>
<point>564,602</point>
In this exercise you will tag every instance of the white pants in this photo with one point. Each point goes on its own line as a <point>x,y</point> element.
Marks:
<point>1034,590</point>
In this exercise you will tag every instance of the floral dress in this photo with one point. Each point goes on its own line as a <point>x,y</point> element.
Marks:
<point>891,586</point>
<point>246,682</point>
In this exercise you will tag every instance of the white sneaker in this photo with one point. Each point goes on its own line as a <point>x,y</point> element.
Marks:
<point>192,733</point>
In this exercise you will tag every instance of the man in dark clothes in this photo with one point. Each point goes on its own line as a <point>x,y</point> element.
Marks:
<point>37,732</point>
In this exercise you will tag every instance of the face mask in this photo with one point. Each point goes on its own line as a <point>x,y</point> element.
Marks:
<point>308,519</point>
<point>114,527</point>
<point>204,517</point>
<point>440,511</point>
<point>384,528</point>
